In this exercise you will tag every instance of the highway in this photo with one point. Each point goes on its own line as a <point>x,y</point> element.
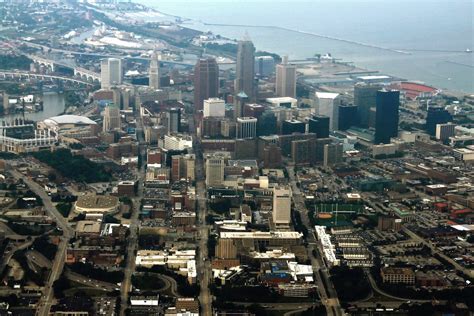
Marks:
<point>46,301</point>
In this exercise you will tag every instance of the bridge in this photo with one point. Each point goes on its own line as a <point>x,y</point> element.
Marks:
<point>84,74</point>
<point>29,75</point>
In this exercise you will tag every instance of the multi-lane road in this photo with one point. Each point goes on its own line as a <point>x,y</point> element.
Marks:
<point>132,244</point>
<point>203,263</point>
<point>46,301</point>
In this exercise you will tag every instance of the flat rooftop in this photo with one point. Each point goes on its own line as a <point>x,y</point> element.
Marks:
<point>261,235</point>
<point>97,201</point>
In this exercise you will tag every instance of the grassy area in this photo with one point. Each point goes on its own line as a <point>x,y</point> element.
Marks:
<point>147,282</point>
<point>339,220</point>
<point>64,208</point>
<point>75,167</point>
<point>332,207</point>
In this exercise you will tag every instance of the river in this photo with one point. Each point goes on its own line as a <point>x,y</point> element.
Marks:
<point>53,104</point>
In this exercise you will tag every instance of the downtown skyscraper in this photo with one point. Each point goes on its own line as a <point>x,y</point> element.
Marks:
<point>245,71</point>
<point>386,115</point>
<point>154,72</point>
<point>285,85</point>
<point>206,81</point>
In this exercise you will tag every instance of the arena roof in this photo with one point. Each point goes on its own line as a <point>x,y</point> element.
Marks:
<point>69,119</point>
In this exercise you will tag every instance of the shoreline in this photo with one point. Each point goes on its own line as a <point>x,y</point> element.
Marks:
<point>190,23</point>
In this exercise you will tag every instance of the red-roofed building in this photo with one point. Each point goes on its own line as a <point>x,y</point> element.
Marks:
<point>414,90</point>
<point>441,207</point>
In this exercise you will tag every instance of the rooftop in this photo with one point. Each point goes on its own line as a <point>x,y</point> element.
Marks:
<point>97,201</point>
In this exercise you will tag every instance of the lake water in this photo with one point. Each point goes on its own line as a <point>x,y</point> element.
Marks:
<point>433,34</point>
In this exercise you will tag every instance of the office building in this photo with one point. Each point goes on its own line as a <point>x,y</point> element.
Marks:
<point>177,142</point>
<point>110,72</point>
<point>253,110</point>
<point>365,96</point>
<point>174,120</point>
<point>386,116</point>
<point>436,115</point>
<point>154,72</point>
<point>281,206</point>
<point>246,127</point>
<point>301,151</point>
<point>326,104</point>
<point>206,81</point>
<point>293,126</point>
<point>397,275</point>
<point>214,107</point>
<point>319,125</point>
<point>245,69</point>
<point>332,154</point>
<point>211,127</point>
<point>445,131</point>
<point>285,102</point>
<point>272,156</point>
<point>264,66</point>
<point>267,124</point>
<point>239,102</point>
<point>285,85</point>
<point>347,116</point>
<point>112,119</point>
<point>183,167</point>
<point>215,170</point>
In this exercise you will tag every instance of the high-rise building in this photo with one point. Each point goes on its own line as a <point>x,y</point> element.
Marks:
<point>365,98</point>
<point>436,115</point>
<point>211,126</point>
<point>445,131</point>
<point>319,125</point>
<point>386,116</point>
<point>183,167</point>
<point>214,107</point>
<point>326,104</point>
<point>112,120</point>
<point>206,81</point>
<point>264,66</point>
<point>301,151</point>
<point>332,154</point>
<point>174,120</point>
<point>272,156</point>
<point>215,169</point>
<point>267,124</point>
<point>239,102</point>
<point>154,72</point>
<point>245,69</point>
<point>347,116</point>
<point>104,74</point>
<point>281,206</point>
<point>246,127</point>
<point>293,126</point>
<point>285,85</point>
<point>253,110</point>
<point>110,72</point>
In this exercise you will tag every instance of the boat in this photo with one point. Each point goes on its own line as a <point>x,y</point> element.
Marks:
<point>468,50</point>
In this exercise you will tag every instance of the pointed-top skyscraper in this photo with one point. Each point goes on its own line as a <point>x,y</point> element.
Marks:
<point>245,70</point>
<point>154,72</point>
